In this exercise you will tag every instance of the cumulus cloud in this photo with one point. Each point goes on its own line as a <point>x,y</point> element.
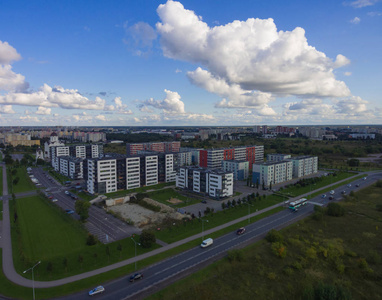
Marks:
<point>374,14</point>
<point>100,118</point>
<point>170,105</point>
<point>6,109</point>
<point>140,37</point>
<point>120,107</point>
<point>356,20</point>
<point>54,97</point>
<point>347,73</point>
<point>43,110</point>
<point>353,105</point>
<point>8,54</point>
<point>361,3</point>
<point>246,57</point>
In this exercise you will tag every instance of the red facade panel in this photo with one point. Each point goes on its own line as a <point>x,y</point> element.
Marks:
<point>203,158</point>
<point>229,154</point>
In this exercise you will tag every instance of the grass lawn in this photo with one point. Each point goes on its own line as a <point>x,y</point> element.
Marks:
<point>294,191</point>
<point>44,232</point>
<point>59,177</point>
<point>24,184</point>
<point>189,228</point>
<point>139,190</point>
<point>1,181</point>
<point>331,256</point>
<point>166,194</point>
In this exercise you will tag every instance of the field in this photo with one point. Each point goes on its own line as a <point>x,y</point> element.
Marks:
<point>23,185</point>
<point>44,232</point>
<point>330,257</point>
<point>166,194</point>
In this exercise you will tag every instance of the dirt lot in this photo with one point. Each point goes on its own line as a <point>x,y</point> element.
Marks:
<point>143,217</point>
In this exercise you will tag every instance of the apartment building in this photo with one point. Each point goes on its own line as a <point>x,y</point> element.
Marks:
<point>239,168</point>
<point>277,157</point>
<point>133,174</point>
<point>195,153</point>
<point>304,165</point>
<point>132,149</point>
<point>102,175</point>
<point>71,167</point>
<point>214,183</point>
<point>270,173</point>
<point>212,158</point>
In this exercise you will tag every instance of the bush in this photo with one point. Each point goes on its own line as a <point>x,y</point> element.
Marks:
<point>91,240</point>
<point>335,210</point>
<point>235,255</point>
<point>147,239</point>
<point>279,249</point>
<point>274,236</point>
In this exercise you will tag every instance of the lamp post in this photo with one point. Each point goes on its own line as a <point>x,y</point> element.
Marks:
<point>135,244</point>
<point>203,228</point>
<point>32,275</point>
<point>249,218</point>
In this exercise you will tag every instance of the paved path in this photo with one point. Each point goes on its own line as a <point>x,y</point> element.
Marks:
<point>10,273</point>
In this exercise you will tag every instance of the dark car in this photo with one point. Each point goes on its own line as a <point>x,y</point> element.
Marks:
<point>331,198</point>
<point>204,201</point>
<point>343,192</point>
<point>240,231</point>
<point>69,211</point>
<point>136,276</point>
<point>357,185</point>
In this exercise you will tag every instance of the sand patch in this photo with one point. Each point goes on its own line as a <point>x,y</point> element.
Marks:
<point>174,201</point>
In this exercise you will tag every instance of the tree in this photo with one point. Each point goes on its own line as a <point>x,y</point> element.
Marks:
<point>119,248</point>
<point>65,263</point>
<point>233,202</point>
<point>16,181</point>
<point>82,209</point>
<point>335,210</point>
<point>274,236</point>
<point>353,162</point>
<point>49,267</point>
<point>279,249</point>
<point>223,205</point>
<point>91,240</point>
<point>147,238</point>
<point>107,249</point>
<point>80,259</point>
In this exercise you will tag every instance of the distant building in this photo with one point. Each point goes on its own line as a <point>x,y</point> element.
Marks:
<point>362,136</point>
<point>132,149</point>
<point>272,172</point>
<point>304,165</point>
<point>277,157</point>
<point>214,183</point>
<point>239,168</point>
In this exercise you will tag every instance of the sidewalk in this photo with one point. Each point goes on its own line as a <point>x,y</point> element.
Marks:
<point>10,273</point>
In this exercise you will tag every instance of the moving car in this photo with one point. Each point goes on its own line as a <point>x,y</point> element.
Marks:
<point>206,243</point>
<point>364,178</point>
<point>240,231</point>
<point>349,185</point>
<point>136,276</point>
<point>98,290</point>
<point>331,192</point>
<point>323,196</point>
<point>357,185</point>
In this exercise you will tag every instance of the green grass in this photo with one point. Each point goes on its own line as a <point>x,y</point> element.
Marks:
<point>24,185</point>
<point>59,177</point>
<point>294,191</point>
<point>139,190</point>
<point>188,228</point>
<point>166,194</point>
<point>11,290</point>
<point>83,195</point>
<point>343,252</point>
<point>44,232</point>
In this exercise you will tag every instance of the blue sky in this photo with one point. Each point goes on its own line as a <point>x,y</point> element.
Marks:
<point>138,62</point>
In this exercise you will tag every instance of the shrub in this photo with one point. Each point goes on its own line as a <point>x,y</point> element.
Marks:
<point>279,249</point>
<point>271,276</point>
<point>311,253</point>
<point>335,210</point>
<point>235,255</point>
<point>91,240</point>
<point>274,236</point>
<point>147,239</point>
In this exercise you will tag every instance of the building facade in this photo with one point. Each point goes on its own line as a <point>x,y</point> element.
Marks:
<point>270,173</point>
<point>277,157</point>
<point>132,149</point>
<point>239,168</point>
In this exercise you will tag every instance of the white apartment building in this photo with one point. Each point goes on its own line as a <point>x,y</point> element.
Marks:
<point>185,158</point>
<point>304,165</point>
<point>214,183</point>
<point>272,172</point>
<point>55,153</point>
<point>80,151</point>
<point>71,167</point>
<point>133,174</point>
<point>277,157</point>
<point>151,169</point>
<point>102,175</point>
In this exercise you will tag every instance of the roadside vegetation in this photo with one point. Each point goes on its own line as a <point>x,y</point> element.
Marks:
<point>18,180</point>
<point>334,254</point>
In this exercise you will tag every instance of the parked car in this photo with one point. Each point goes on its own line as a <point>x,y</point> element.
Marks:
<point>67,192</point>
<point>240,231</point>
<point>331,198</point>
<point>331,192</point>
<point>343,192</point>
<point>69,211</point>
<point>50,197</point>
<point>323,196</point>
<point>349,185</point>
<point>357,185</point>
<point>136,276</point>
<point>204,201</point>
<point>54,200</point>
<point>98,290</point>
<point>364,178</point>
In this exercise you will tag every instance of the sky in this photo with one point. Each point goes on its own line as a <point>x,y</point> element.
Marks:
<point>190,62</point>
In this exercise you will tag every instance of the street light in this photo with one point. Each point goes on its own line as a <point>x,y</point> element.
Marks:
<point>249,219</point>
<point>135,244</point>
<point>32,276</point>
<point>203,228</point>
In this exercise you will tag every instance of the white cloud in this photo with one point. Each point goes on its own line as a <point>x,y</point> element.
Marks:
<point>361,3</point>
<point>144,108</point>
<point>356,20</point>
<point>43,111</point>
<point>374,14</point>
<point>140,37</point>
<point>347,73</point>
<point>100,118</point>
<point>120,107</point>
<point>353,105</point>
<point>10,81</point>
<point>170,105</point>
<point>8,54</point>
<point>249,56</point>
<point>6,109</point>
<point>54,97</point>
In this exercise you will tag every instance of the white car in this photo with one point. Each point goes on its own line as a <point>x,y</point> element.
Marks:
<point>364,178</point>
<point>331,192</point>
<point>323,196</point>
<point>54,200</point>
<point>98,290</point>
<point>349,185</point>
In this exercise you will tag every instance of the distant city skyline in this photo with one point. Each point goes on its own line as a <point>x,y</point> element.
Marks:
<point>190,63</point>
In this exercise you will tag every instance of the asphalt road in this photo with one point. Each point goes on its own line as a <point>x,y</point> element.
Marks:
<point>172,268</point>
